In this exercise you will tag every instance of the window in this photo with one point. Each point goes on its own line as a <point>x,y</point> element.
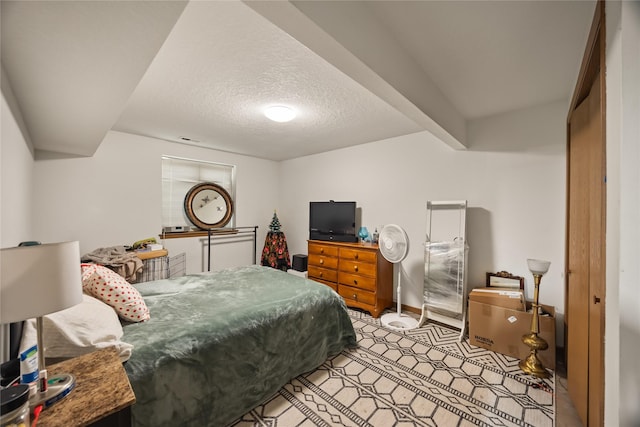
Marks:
<point>179,175</point>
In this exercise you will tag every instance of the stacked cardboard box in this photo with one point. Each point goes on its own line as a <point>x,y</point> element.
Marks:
<point>498,318</point>
<point>507,298</point>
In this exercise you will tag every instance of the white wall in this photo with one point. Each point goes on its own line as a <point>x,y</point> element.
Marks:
<point>16,176</point>
<point>513,178</point>
<point>114,197</point>
<point>516,196</point>
<point>16,183</point>
<point>622,334</point>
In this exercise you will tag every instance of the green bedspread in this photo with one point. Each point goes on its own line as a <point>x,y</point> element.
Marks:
<point>218,344</point>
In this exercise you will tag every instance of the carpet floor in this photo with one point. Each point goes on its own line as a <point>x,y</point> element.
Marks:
<point>422,377</point>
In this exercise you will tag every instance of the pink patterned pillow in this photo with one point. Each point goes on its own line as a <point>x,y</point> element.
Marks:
<point>111,288</point>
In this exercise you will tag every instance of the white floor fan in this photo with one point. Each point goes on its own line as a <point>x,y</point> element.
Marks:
<point>394,246</point>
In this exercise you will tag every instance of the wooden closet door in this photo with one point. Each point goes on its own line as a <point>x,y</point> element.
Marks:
<point>586,212</point>
<point>577,316</point>
<point>597,208</point>
<point>585,258</point>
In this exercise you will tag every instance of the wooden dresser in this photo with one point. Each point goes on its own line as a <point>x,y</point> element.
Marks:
<point>357,271</point>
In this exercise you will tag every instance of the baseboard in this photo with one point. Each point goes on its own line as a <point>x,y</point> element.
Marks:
<point>411,309</point>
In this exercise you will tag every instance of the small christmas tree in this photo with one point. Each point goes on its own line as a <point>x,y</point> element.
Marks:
<point>275,223</point>
<point>275,253</point>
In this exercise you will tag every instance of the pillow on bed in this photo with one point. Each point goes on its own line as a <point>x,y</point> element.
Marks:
<point>78,330</point>
<point>113,289</point>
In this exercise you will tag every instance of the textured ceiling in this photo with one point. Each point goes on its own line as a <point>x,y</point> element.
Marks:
<point>245,64</point>
<point>72,65</point>
<point>498,55</point>
<point>356,71</point>
<point>459,60</point>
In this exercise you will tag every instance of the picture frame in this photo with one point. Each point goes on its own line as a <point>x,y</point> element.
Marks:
<point>504,279</point>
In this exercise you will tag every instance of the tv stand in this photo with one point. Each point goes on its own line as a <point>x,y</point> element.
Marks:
<point>356,271</point>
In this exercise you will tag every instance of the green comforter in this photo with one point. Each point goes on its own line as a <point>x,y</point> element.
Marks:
<point>218,344</point>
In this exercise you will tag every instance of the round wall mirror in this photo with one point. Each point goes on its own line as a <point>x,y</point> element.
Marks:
<point>207,205</point>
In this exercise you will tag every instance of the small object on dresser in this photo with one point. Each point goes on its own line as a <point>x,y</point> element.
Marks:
<point>363,234</point>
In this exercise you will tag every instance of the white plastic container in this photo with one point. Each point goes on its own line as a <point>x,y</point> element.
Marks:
<point>29,365</point>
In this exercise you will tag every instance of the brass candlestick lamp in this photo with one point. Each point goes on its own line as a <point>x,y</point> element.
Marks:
<point>531,364</point>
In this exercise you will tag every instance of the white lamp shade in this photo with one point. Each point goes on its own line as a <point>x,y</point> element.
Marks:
<point>538,267</point>
<point>39,280</point>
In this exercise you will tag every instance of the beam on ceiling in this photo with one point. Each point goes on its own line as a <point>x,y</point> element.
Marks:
<point>347,35</point>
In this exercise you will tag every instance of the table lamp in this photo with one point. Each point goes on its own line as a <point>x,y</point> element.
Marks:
<point>35,281</point>
<point>531,364</point>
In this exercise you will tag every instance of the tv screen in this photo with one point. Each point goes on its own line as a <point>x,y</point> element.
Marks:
<point>332,221</point>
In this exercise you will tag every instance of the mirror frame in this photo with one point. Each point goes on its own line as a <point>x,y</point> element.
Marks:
<point>201,223</point>
<point>504,279</point>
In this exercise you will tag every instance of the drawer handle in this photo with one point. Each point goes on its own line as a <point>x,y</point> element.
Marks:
<point>321,274</point>
<point>355,297</point>
<point>356,257</point>
<point>321,261</point>
<point>321,250</point>
<point>355,267</point>
<point>355,282</point>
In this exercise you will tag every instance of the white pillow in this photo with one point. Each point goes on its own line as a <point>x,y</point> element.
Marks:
<point>78,330</point>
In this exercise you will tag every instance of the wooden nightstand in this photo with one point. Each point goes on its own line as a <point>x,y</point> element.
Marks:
<point>102,396</point>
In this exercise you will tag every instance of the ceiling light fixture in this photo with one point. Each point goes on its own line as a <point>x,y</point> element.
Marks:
<point>280,113</point>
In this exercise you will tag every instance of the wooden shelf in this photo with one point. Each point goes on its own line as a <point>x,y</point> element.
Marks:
<point>220,234</point>
<point>198,233</point>
<point>151,254</point>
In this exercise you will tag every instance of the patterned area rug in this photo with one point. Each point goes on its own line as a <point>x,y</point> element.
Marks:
<point>423,377</point>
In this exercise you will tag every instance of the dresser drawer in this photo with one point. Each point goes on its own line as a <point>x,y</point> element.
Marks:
<point>363,268</point>
<point>322,273</point>
<point>333,286</point>
<point>357,281</point>
<point>358,255</point>
<point>320,249</point>
<point>355,294</point>
<point>322,261</point>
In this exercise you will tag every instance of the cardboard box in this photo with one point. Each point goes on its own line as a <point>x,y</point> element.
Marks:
<point>507,298</point>
<point>501,329</point>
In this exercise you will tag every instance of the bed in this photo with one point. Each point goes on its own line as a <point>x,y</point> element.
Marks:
<point>218,344</point>
<point>211,346</point>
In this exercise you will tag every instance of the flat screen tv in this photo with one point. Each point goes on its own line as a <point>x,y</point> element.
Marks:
<point>332,221</point>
